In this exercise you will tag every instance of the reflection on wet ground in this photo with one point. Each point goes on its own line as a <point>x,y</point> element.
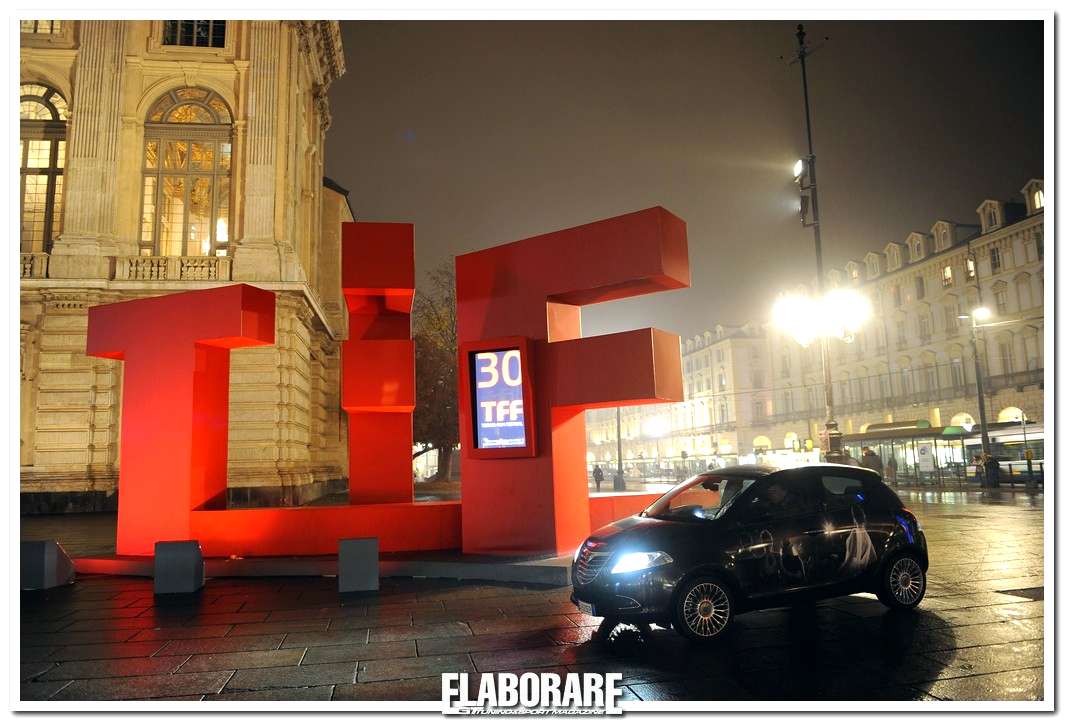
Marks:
<point>978,634</point>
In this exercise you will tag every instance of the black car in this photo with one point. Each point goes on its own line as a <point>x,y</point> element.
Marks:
<point>752,537</point>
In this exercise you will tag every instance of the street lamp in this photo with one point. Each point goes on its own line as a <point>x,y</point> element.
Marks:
<point>981,313</point>
<point>806,177</point>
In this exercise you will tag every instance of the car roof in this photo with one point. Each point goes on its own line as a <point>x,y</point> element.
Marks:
<point>765,469</point>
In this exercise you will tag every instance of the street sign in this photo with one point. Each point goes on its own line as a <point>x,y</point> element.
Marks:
<point>925,457</point>
<point>498,399</point>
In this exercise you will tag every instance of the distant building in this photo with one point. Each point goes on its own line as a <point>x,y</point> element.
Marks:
<point>753,388</point>
<point>169,155</point>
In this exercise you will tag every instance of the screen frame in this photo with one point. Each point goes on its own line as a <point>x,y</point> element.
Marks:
<point>468,430</point>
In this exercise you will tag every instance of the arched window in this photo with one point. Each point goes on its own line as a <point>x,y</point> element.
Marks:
<point>43,115</point>
<point>186,165</point>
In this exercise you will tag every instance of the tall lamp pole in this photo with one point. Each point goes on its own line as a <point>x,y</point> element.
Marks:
<point>619,478</point>
<point>833,437</point>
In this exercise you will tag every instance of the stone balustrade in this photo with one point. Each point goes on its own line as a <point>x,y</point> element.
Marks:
<point>172,268</point>
<point>33,265</point>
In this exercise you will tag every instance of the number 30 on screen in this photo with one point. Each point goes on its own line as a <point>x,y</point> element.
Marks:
<point>511,371</point>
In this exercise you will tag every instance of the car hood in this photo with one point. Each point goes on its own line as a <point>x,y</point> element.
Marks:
<point>643,531</point>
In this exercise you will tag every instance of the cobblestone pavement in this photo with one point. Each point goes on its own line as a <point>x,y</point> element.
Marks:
<point>977,636</point>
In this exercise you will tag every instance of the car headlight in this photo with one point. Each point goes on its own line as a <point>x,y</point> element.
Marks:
<point>577,552</point>
<point>635,561</point>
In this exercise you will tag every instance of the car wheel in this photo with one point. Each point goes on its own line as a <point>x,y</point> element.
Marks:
<point>704,609</point>
<point>902,583</point>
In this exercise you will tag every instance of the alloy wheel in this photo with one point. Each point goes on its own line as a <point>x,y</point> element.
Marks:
<point>906,581</point>
<point>706,609</point>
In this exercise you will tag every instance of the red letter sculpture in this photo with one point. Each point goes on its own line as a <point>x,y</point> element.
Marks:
<point>378,360</point>
<point>175,401</point>
<point>530,495</point>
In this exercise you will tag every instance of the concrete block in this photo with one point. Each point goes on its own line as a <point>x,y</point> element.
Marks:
<point>44,565</point>
<point>178,567</point>
<point>358,565</point>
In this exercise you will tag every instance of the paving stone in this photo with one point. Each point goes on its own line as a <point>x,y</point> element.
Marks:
<point>95,669</point>
<point>503,626</point>
<point>102,636</point>
<point>323,639</point>
<point>283,627</point>
<point>243,660</point>
<point>287,694</point>
<point>424,631</point>
<point>29,670</point>
<point>308,675</point>
<point>417,690</point>
<point>159,685</point>
<point>39,691</point>
<point>484,642</point>
<point>215,630</point>
<point>1023,684</point>
<point>106,651</point>
<point>360,652</point>
<point>548,656</point>
<point>992,658</point>
<point>411,667</point>
<point>218,645</point>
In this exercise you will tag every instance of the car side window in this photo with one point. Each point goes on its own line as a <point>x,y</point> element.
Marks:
<point>842,490</point>
<point>782,496</point>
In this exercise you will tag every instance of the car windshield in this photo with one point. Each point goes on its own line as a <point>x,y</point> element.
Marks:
<point>703,496</point>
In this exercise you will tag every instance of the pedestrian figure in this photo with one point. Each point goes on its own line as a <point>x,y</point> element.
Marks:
<point>597,474</point>
<point>871,460</point>
<point>991,470</point>
<point>892,469</point>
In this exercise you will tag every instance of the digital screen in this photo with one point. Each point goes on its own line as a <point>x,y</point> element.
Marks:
<point>498,400</point>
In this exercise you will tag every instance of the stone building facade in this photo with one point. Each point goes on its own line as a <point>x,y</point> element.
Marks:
<point>753,388</point>
<point>162,156</point>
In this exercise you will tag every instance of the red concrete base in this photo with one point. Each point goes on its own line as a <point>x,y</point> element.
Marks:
<point>312,530</point>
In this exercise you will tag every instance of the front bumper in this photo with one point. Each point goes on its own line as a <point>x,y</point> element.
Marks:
<point>644,594</point>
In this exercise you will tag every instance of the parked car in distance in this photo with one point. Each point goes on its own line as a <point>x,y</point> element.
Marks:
<point>744,538</point>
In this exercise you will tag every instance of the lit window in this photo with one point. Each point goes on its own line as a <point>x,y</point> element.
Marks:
<point>41,27</point>
<point>195,33</point>
<point>948,276</point>
<point>970,268</point>
<point>1037,199</point>
<point>186,168</point>
<point>42,154</point>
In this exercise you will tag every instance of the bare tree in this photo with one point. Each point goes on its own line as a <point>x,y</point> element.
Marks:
<point>435,354</point>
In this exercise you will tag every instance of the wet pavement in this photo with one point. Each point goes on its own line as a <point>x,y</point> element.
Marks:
<point>977,636</point>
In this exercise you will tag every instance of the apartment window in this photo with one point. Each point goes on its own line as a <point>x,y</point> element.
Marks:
<point>1037,199</point>
<point>896,295</point>
<point>785,365</point>
<point>924,328</point>
<point>918,285</point>
<point>885,386</point>
<point>195,33</point>
<point>758,410</point>
<point>970,268</point>
<point>722,416</point>
<point>1039,243</point>
<point>948,277</point>
<point>43,115</point>
<point>957,373</point>
<point>900,334</point>
<point>996,260</point>
<point>720,355</point>
<point>721,380</point>
<point>788,403</point>
<point>931,380</point>
<point>758,379</point>
<point>992,218</point>
<point>918,249</point>
<point>55,27</point>
<point>906,379</point>
<point>1005,353</point>
<point>950,319</point>
<point>186,166</point>
<point>1001,298</point>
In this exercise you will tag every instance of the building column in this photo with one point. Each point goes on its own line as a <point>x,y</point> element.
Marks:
<point>257,255</point>
<point>90,202</point>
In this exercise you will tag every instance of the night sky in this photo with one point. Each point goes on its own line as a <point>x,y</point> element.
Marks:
<point>486,132</point>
